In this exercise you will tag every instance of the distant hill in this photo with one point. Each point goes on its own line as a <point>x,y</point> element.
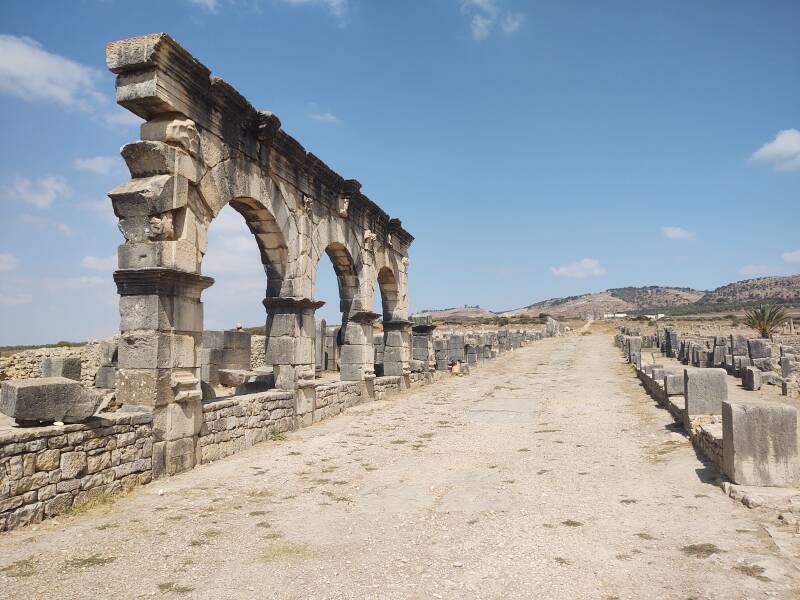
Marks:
<point>650,299</point>
<point>785,289</point>
<point>616,300</point>
<point>465,312</point>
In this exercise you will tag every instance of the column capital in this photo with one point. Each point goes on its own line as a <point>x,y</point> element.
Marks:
<point>159,281</point>
<point>364,317</point>
<point>396,325</point>
<point>291,304</point>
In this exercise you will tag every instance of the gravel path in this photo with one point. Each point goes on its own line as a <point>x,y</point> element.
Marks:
<point>546,474</point>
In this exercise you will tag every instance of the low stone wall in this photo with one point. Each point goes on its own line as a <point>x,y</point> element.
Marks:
<point>45,471</point>
<point>707,441</point>
<point>386,386</point>
<point>235,424</point>
<point>27,364</point>
<point>750,441</point>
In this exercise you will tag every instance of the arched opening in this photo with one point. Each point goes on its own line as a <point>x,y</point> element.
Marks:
<point>334,330</point>
<point>247,257</point>
<point>383,337</point>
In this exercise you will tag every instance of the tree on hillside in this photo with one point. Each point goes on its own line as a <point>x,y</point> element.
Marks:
<point>766,318</point>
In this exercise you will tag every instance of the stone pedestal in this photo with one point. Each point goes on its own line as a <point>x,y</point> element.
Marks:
<point>422,341</point>
<point>396,336</point>
<point>358,349</point>
<point>159,358</point>
<point>290,350</point>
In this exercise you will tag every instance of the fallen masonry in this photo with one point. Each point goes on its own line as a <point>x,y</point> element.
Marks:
<point>753,442</point>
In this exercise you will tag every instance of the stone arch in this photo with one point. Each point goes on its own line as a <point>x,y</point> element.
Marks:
<point>271,242</point>
<point>339,242</point>
<point>390,293</point>
<point>268,214</point>
<point>346,275</point>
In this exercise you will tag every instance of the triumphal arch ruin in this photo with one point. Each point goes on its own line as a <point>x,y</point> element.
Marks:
<point>204,146</point>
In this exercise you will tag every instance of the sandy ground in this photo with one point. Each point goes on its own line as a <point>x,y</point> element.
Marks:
<point>548,473</point>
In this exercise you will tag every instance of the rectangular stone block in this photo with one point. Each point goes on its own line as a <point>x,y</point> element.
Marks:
<point>149,195</point>
<point>181,255</point>
<point>759,443</point>
<point>738,345</point>
<point>175,421</point>
<point>704,391</point>
<point>41,399</point>
<point>105,377</point>
<point>759,348</point>
<point>179,455</point>
<point>68,367</point>
<point>751,378</point>
<point>673,385</point>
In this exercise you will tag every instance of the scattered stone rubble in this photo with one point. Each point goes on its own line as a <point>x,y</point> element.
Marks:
<point>752,442</point>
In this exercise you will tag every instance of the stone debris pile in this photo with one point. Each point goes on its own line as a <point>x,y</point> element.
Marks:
<point>752,441</point>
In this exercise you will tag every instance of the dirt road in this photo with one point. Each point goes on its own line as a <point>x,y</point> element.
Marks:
<point>546,474</point>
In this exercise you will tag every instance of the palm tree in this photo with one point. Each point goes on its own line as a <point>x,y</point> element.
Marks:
<point>766,318</point>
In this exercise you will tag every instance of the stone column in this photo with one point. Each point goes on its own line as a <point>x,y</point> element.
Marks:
<point>358,348</point>
<point>422,342</point>
<point>396,335</point>
<point>290,349</point>
<point>159,358</point>
<point>319,346</point>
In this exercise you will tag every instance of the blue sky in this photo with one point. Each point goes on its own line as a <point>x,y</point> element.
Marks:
<point>535,149</point>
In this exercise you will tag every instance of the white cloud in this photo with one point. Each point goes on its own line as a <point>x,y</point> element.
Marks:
<point>586,267</point>
<point>512,22</point>
<point>338,8</point>
<point>209,5</point>
<point>757,270</point>
<point>65,229</point>
<point>40,193</point>
<point>8,262</point>
<point>73,283</point>
<point>14,298</point>
<point>324,117</point>
<point>485,15</point>
<point>103,209</point>
<point>791,257</point>
<point>95,263</point>
<point>481,26</point>
<point>231,254</point>
<point>44,223</point>
<point>99,165</point>
<point>30,72</point>
<point>122,117</point>
<point>783,152</point>
<point>676,233</point>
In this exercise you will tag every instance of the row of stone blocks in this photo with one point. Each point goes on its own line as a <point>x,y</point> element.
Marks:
<point>469,349</point>
<point>759,438</point>
<point>735,353</point>
<point>46,470</point>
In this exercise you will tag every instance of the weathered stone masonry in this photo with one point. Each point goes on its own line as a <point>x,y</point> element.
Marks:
<point>203,147</point>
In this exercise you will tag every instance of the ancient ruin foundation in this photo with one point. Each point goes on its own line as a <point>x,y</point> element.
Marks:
<point>204,146</point>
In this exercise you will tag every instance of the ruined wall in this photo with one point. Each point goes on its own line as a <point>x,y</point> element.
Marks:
<point>26,364</point>
<point>235,424</point>
<point>45,471</point>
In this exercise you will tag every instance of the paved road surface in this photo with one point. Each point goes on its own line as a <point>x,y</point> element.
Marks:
<point>548,474</point>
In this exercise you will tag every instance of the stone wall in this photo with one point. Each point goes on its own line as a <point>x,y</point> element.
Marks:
<point>235,424</point>
<point>707,440</point>
<point>751,441</point>
<point>45,471</point>
<point>27,364</point>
